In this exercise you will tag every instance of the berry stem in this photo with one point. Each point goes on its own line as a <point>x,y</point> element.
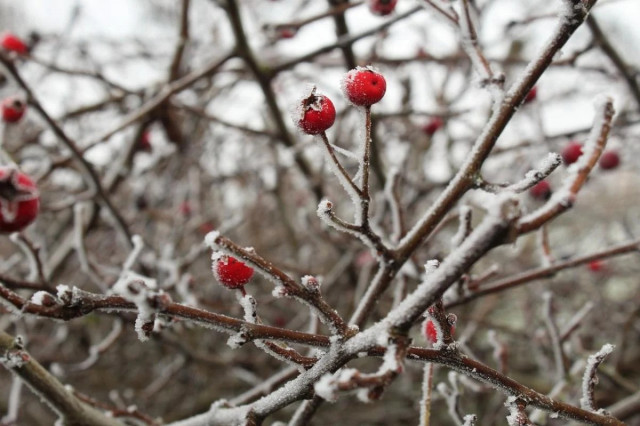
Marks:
<point>335,160</point>
<point>365,197</point>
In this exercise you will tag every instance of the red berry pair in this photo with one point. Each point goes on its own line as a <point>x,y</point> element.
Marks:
<point>231,272</point>
<point>362,86</point>
<point>19,200</point>
<point>608,160</point>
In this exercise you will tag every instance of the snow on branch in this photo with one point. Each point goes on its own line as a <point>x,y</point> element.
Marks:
<point>147,300</point>
<point>589,379</point>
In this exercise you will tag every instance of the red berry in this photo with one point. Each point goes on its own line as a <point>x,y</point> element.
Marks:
<point>206,227</point>
<point>433,126</point>
<point>609,160</point>
<point>185,208</point>
<point>382,7</point>
<point>596,265</point>
<point>363,86</point>
<point>230,272</point>
<point>531,96</point>
<point>12,43</point>
<point>144,143</point>
<point>13,109</point>
<point>287,32</point>
<point>571,152</point>
<point>317,114</point>
<point>19,200</point>
<point>541,190</point>
<point>430,332</point>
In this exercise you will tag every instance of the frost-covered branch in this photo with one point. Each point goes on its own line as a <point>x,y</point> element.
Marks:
<point>16,359</point>
<point>589,379</point>
<point>544,272</point>
<point>532,177</point>
<point>501,116</point>
<point>554,336</point>
<point>517,414</point>
<point>285,285</point>
<point>91,174</point>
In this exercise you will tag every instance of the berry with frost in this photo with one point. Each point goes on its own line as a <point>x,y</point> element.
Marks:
<point>363,86</point>
<point>317,114</point>
<point>19,200</point>
<point>12,43</point>
<point>433,126</point>
<point>541,190</point>
<point>231,272</point>
<point>382,7</point>
<point>571,152</point>
<point>609,160</point>
<point>430,332</point>
<point>13,109</point>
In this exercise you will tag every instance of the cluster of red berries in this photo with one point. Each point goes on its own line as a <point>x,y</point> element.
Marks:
<point>362,86</point>
<point>12,43</point>
<point>19,200</point>
<point>13,108</point>
<point>231,272</point>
